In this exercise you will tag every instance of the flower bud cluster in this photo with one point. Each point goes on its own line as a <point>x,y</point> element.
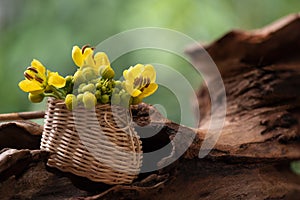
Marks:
<point>93,83</point>
<point>90,88</point>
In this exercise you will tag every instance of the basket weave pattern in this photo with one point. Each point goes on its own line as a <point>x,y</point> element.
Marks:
<point>101,146</point>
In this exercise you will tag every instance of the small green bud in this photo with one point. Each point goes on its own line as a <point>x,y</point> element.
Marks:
<point>88,73</point>
<point>80,88</point>
<point>98,94</point>
<point>89,88</point>
<point>94,81</point>
<point>99,85</point>
<point>89,100</point>
<point>69,84</point>
<point>78,77</point>
<point>113,83</point>
<point>109,85</point>
<point>36,98</point>
<point>115,99</point>
<point>101,69</point>
<point>80,98</point>
<point>108,73</point>
<point>122,91</point>
<point>115,90</point>
<point>71,101</point>
<point>103,89</point>
<point>118,84</point>
<point>125,99</point>
<point>125,96</point>
<point>68,79</point>
<point>105,98</point>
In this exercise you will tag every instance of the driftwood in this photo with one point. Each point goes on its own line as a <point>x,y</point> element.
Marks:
<point>22,115</point>
<point>251,159</point>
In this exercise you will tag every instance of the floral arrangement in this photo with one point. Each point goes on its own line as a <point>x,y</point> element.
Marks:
<point>92,83</point>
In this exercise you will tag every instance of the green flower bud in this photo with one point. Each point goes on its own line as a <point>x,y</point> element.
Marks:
<point>115,99</point>
<point>125,99</point>
<point>69,84</point>
<point>122,91</point>
<point>36,98</point>
<point>78,77</point>
<point>109,85</point>
<point>98,94</point>
<point>80,98</point>
<point>89,100</point>
<point>125,96</point>
<point>95,81</point>
<point>107,72</point>
<point>68,79</point>
<point>105,98</point>
<point>118,84</point>
<point>115,90</point>
<point>113,83</point>
<point>89,73</point>
<point>89,88</point>
<point>80,88</point>
<point>71,101</point>
<point>103,89</point>
<point>99,85</point>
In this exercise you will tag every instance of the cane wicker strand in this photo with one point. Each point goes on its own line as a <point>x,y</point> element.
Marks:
<point>100,145</point>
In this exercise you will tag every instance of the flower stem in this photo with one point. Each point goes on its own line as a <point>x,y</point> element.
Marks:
<point>57,93</point>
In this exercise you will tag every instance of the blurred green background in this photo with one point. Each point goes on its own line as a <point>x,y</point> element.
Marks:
<point>47,30</point>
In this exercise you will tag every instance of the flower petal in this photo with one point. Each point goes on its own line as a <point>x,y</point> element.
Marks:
<point>87,57</point>
<point>87,52</point>
<point>149,71</point>
<point>129,87</point>
<point>30,86</point>
<point>101,59</point>
<point>56,80</point>
<point>136,93</point>
<point>77,56</point>
<point>133,72</point>
<point>37,92</point>
<point>38,66</point>
<point>89,61</point>
<point>125,74</point>
<point>149,90</point>
<point>137,70</point>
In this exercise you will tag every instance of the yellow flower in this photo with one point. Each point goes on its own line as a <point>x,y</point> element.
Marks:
<point>82,56</point>
<point>85,57</point>
<point>140,81</point>
<point>36,79</point>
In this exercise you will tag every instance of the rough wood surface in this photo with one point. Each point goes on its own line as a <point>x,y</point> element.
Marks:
<point>20,135</point>
<point>251,159</point>
<point>262,94</point>
<point>24,176</point>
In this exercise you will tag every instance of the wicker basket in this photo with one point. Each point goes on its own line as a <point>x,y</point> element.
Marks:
<point>100,145</point>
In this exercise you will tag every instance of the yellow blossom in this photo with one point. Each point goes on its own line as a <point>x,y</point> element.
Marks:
<point>36,80</point>
<point>85,57</point>
<point>140,81</point>
<point>82,56</point>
